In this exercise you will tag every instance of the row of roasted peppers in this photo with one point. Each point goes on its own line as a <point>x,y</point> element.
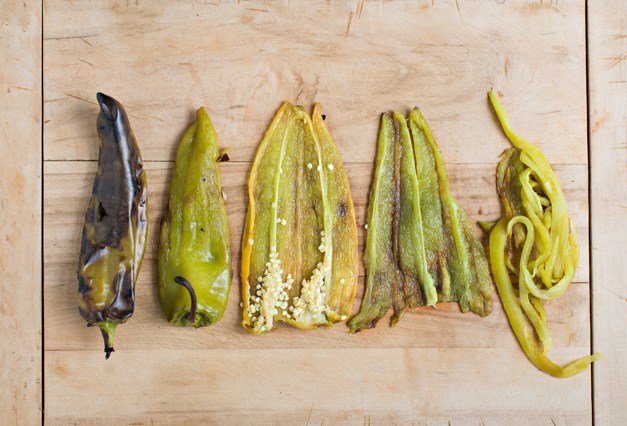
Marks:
<point>299,249</point>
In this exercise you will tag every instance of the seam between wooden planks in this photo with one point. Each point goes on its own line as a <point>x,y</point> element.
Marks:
<point>591,304</point>
<point>43,349</point>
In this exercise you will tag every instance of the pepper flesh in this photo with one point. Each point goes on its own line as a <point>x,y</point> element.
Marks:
<point>299,248</point>
<point>420,246</point>
<point>114,234</point>
<point>536,232</point>
<point>194,257</point>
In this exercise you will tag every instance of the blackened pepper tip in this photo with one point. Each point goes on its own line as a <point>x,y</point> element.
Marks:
<point>108,105</point>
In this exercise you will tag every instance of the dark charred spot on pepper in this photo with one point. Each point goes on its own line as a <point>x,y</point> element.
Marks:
<point>102,213</point>
<point>114,232</point>
<point>342,209</point>
<point>89,215</point>
<point>192,294</point>
<point>202,229</point>
<point>120,308</point>
<point>82,286</point>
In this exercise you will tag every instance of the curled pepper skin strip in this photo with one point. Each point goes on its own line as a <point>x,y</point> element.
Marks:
<point>114,234</point>
<point>516,315</point>
<point>536,225</point>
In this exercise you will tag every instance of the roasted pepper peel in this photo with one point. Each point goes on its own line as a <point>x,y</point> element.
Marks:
<point>420,246</point>
<point>299,243</point>
<point>382,270</point>
<point>114,233</point>
<point>194,259</point>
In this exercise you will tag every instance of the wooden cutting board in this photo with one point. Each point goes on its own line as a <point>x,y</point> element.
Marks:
<point>241,60</point>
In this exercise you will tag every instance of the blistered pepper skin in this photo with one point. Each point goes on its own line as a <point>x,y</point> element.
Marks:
<point>114,234</point>
<point>194,257</point>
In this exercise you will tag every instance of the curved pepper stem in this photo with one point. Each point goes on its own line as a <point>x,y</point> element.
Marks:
<point>192,295</point>
<point>107,329</point>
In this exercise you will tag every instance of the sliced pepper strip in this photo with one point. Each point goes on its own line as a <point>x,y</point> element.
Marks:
<point>535,202</point>
<point>516,315</point>
<point>466,277</point>
<point>411,235</point>
<point>381,266</point>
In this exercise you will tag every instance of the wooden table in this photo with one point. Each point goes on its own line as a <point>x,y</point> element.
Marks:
<point>561,67</point>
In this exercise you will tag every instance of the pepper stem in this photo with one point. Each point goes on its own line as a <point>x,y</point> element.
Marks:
<point>192,295</point>
<point>107,329</point>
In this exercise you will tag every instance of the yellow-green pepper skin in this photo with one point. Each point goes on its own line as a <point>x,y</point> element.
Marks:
<point>194,258</point>
<point>299,248</point>
<point>467,280</point>
<point>534,241</point>
<point>382,267</point>
<point>114,234</point>
<point>420,247</point>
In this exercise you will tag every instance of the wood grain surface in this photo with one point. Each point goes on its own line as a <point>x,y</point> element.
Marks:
<point>607,41</point>
<point>20,212</point>
<point>240,60</point>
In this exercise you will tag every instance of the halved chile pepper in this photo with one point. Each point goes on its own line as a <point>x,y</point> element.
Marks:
<point>194,257</point>
<point>114,234</point>
<point>299,248</point>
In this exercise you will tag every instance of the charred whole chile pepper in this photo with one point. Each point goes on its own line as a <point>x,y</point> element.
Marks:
<point>299,248</point>
<point>114,234</point>
<point>420,246</point>
<point>194,259</point>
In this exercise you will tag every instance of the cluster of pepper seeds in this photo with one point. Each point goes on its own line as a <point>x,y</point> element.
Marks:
<point>270,295</point>
<point>312,294</point>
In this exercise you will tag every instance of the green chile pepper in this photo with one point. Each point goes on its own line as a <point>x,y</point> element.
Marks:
<point>194,258</point>
<point>114,234</point>
<point>420,246</point>
<point>299,248</point>
<point>467,270</point>
<point>382,272</point>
